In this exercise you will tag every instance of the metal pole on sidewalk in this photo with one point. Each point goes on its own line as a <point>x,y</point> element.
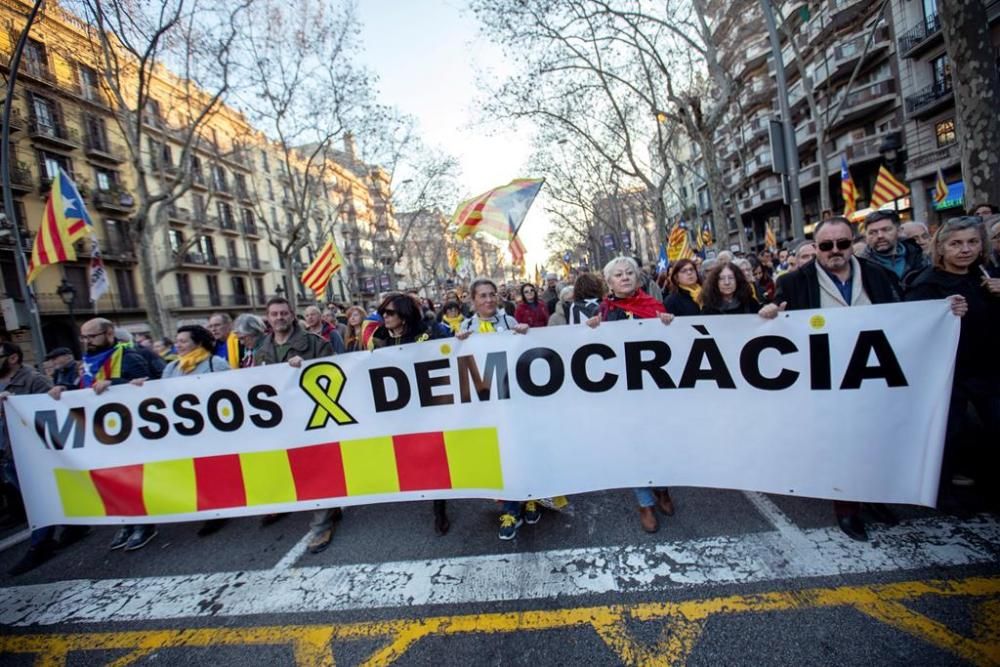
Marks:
<point>34,323</point>
<point>791,148</point>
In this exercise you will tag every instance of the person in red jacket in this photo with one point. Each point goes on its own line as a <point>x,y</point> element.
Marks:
<point>532,310</point>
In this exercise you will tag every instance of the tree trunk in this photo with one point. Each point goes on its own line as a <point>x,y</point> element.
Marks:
<point>966,31</point>
<point>292,280</point>
<point>147,273</point>
<point>717,193</point>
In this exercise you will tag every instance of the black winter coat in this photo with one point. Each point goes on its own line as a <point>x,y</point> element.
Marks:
<point>978,356</point>
<point>680,304</point>
<point>800,288</point>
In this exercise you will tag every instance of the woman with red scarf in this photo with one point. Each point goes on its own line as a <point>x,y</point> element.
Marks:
<point>628,301</point>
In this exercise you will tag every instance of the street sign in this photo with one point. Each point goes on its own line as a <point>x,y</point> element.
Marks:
<point>369,284</point>
<point>384,282</point>
<point>609,241</point>
<point>627,240</point>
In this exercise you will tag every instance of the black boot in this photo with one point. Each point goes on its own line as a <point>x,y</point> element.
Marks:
<point>441,522</point>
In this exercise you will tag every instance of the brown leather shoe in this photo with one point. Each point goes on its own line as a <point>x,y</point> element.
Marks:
<point>320,541</point>
<point>664,502</point>
<point>647,518</point>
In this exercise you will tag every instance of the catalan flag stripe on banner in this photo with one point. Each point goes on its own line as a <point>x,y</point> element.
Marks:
<point>64,222</point>
<point>498,212</point>
<point>887,188</point>
<point>460,459</point>
<point>318,274</point>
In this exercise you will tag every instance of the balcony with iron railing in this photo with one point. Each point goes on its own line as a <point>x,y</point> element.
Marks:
<point>17,122</point>
<point>863,101</point>
<point>227,223</point>
<point>930,100</point>
<point>920,37</point>
<point>100,148</point>
<point>20,177</point>
<point>55,133</point>
<point>37,70</point>
<point>250,229</point>
<point>200,260</point>
<point>188,300</point>
<point>116,199</point>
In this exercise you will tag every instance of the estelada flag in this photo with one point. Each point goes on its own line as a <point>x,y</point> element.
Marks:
<point>498,212</point>
<point>64,222</point>
<point>318,274</point>
<point>848,191</point>
<point>887,188</point>
<point>940,188</point>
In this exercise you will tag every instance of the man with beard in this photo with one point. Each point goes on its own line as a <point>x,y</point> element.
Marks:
<point>837,279</point>
<point>107,362</point>
<point>889,249</point>
<point>289,342</point>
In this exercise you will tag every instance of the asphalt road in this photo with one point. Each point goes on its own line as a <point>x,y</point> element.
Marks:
<point>732,579</point>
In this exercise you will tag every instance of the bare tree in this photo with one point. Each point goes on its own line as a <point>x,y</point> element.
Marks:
<point>303,89</point>
<point>966,31</point>
<point>137,42</point>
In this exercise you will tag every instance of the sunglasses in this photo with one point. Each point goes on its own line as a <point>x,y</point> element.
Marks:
<point>389,311</point>
<point>842,244</point>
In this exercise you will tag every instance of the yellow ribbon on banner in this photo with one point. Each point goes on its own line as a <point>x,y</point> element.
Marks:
<point>312,382</point>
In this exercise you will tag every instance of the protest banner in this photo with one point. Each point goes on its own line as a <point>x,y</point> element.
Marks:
<point>845,403</point>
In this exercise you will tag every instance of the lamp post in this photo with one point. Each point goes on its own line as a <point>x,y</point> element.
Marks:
<point>279,291</point>
<point>67,293</point>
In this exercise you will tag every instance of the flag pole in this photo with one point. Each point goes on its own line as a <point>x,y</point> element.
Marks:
<point>34,323</point>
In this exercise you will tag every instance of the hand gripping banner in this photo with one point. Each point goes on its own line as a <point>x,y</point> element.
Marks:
<point>846,403</point>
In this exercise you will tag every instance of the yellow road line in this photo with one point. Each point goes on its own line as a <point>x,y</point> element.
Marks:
<point>683,624</point>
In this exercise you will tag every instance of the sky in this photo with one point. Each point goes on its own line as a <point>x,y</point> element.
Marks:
<point>426,54</point>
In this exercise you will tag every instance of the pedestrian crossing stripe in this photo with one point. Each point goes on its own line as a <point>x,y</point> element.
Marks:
<point>435,461</point>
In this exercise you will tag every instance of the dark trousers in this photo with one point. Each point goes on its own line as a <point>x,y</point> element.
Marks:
<point>961,455</point>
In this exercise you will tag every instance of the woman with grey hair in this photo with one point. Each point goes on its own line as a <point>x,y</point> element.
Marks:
<point>628,301</point>
<point>957,273</point>
<point>561,311</point>
<point>250,330</point>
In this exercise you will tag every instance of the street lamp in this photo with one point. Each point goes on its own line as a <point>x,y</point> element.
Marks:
<point>279,291</point>
<point>67,293</point>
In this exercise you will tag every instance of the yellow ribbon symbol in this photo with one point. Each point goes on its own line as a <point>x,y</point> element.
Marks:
<point>324,382</point>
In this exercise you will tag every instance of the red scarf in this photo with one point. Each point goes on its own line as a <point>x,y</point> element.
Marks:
<point>640,305</point>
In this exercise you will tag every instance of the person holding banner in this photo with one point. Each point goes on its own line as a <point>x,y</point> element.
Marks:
<point>628,301</point>
<point>486,318</point>
<point>685,289</point>
<point>837,279</point>
<point>402,323</point>
<point>289,342</point>
<point>727,292</point>
<point>106,363</point>
<point>959,253</point>
<point>196,354</point>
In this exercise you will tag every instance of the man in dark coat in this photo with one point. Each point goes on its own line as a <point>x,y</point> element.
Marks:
<point>837,279</point>
<point>887,247</point>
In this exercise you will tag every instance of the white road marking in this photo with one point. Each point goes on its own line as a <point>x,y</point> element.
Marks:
<point>795,536</point>
<point>755,557</point>
<point>295,553</point>
<point>15,539</point>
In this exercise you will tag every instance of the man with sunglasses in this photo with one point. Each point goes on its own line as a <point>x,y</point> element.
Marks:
<point>837,279</point>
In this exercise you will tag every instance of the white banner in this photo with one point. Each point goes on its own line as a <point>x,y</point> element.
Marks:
<point>846,403</point>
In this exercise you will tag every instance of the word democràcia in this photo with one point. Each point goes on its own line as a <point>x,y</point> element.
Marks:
<point>487,379</point>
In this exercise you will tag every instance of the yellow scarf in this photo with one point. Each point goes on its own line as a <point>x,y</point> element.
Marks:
<point>485,326</point>
<point>188,362</point>
<point>694,291</point>
<point>453,322</point>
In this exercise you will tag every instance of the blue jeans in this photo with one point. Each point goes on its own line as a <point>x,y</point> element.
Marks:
<point>646,495</point>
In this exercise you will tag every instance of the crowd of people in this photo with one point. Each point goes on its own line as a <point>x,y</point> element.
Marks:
<point>887,262</point>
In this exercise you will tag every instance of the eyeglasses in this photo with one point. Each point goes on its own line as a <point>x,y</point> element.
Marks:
<point>842,244</point>
<point>84,336</point>
<point>389,311</point>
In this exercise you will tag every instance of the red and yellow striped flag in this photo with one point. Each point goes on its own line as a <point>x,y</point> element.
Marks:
<point>887,188</point>
<point>517,251</point>
<point>940,188</point>
<point>459,459</point>
<point>678,244</point>
<point>64,222</point>
<point>318,274</point>
<point>770,240</point>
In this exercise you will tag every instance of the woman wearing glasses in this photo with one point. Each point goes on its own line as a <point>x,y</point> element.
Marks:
<point>958,255</point>
<point>685,289</point>
<point>727,292</point>
<point>531,311</point>
<point>403,322</point>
